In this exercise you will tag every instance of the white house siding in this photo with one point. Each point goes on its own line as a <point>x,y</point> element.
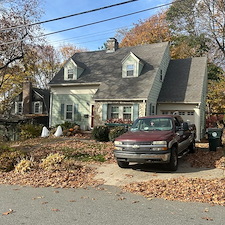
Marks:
<point>157,84</point>
<point>80,96</point>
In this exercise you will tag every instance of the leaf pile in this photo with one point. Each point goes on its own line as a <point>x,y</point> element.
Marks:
<point>207,159</point>
<point>182,189</point>
<point>81,177</point>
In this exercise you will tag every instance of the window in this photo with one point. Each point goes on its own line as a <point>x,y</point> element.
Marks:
<point>130,70</point>
<point>127,112</point>
<point>161,75</point>
<point>69,112</point>
<point>115,112</point>
<point>153,110</point>
<point>70,73</point>
<point>121,112</point>
<point>18,107</point>
<point>190,113</point>
<point>182,113</point>
<point>36,107</point>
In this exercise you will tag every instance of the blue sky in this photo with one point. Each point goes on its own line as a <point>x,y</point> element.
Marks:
<point>92,37</point>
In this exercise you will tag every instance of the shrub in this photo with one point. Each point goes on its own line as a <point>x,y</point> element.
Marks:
<point>30,131</point>
<point>9,159</point>
<point>66,125</point>
<point>25,165</point>
<point>52,162</point>
<point>100,133</point>
<point>116,132</point>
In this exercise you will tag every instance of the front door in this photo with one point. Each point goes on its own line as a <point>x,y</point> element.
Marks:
<point>92,116</point>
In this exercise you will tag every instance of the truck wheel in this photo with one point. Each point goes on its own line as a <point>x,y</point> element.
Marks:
<point>123,164</point>
<point>173,164</point>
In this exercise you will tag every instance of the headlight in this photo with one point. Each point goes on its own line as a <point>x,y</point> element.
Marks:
<point>117,143</point>
<point>159,143</point>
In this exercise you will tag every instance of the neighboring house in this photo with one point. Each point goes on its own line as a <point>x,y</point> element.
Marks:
<point>32,103</point>
<point>125,83</point>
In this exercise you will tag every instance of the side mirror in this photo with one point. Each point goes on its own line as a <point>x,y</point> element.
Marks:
<point>184,126</point>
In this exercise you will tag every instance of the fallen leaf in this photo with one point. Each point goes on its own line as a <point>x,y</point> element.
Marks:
<point>135,202</point>
<point>121,198</point>
<point>207,218</point>
<point>129,175</point>
<point>8,212</point>
<point>55,210</point>
<point>43,203</point>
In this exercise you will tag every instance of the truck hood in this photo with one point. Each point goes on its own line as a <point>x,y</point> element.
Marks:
<point>146,136</point>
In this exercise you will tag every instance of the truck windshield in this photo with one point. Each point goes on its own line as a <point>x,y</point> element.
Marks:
<point>146,124</point>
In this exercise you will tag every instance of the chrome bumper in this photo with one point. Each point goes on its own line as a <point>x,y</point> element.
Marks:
<point>134,157</point>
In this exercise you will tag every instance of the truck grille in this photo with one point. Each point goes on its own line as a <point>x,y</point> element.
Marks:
<point>136,143</point>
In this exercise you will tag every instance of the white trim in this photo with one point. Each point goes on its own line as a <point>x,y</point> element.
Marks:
<point>17,105</point>
<point>40,107</point>
<point>65,112</point>
<point>75,84</point>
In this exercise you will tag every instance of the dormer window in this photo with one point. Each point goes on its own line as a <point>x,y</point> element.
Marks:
<point>130,70</point>
<point>70,73</point>
<point>37,107</point>
<point>131,66</point>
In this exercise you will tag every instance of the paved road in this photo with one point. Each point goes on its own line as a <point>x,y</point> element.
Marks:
<point>105,205</point>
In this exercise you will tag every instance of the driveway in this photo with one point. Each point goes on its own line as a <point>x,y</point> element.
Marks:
<point>112,174</point>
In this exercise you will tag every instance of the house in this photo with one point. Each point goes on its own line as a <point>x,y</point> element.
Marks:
<point>125,83</point>
<point>32,103</point>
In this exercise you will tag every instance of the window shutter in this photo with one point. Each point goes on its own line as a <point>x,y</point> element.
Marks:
<point>104,112</point>
<point>41,108</point>
<point>135,111</point>
<point>77,116</point>
<point>62,111</point>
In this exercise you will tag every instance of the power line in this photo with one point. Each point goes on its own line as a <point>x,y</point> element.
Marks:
<point>93,23</point>
<point>101,21</point>
<point>93,34</point>
<point>64,17</point>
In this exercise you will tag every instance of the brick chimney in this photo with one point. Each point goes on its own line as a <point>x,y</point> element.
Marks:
<point>27,97</point>
<point>111,45</point>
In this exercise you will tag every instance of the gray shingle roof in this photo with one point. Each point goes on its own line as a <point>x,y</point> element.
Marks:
<point>184,81</point>
<point>106,69</point>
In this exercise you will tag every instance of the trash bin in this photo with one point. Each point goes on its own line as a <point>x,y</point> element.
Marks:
<point>215,138</point>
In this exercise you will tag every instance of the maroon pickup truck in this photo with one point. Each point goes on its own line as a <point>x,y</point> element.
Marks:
<point>155,139</point>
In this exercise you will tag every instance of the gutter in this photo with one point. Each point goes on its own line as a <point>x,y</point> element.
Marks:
<point>74,84</point>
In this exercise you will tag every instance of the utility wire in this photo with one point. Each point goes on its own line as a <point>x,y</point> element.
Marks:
<point>64,17</point>
<point>89,24</point>
<point>101,21</point>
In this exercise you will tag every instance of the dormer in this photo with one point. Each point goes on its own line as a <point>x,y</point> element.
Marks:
<point>131,66</point>
<point>71,70</point>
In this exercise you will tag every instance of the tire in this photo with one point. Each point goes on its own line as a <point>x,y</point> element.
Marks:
<point>173,164</point>
<point>192,147</point>
<point>123,164</point>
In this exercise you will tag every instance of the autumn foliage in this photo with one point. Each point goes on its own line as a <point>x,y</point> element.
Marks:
<point>152,30</point>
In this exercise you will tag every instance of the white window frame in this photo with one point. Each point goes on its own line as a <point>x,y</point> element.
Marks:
<point>70,73</point>
<point>39,105</point>
<point>130,70</point>
<point>121,112</point>
<point>18,107</point>
<point>67,111</point>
